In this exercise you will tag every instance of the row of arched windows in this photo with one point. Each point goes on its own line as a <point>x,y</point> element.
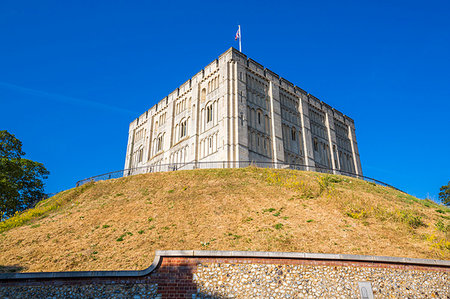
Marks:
<point>321,152</point>
<point>257,84</point>
<point>289,102</point>
<point>138,156</point>
<point>291,116</point>
<point>316,115</point>
<point>182,105</point>
<point>258,99</point>
<point>179,156</point>
<point>208,145</point>
<point>342,138</point>
<point>317,123</point>
<point>213,84</point>
<point>160,120</point>
<point>258,119</point>
<point>259,143</point>
<point>209,115</point>
<point>158,144</point>
<point>292,139</point>
<point>181,130</point>
<point>139,134</point>
<point>346,162</point>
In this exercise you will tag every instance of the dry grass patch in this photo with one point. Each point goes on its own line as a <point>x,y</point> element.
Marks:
<point>118,224</point>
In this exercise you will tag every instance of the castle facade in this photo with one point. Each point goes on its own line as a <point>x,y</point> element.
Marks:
<point>236,110</point>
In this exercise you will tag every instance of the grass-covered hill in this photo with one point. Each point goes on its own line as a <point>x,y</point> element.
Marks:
<point>118,224</point>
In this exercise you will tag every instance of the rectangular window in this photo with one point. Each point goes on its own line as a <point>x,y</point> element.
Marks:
<point>183,129</point>
<point>209,113</point>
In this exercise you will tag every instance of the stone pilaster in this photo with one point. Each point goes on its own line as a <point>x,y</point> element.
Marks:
<point>307,139</point>
<point>329,124</point>
<point>276,130</point>
<point>354,144</point>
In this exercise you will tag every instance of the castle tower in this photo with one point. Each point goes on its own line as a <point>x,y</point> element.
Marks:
<point>235,110</point>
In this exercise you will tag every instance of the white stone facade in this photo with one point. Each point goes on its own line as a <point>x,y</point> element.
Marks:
<point>237,110</point>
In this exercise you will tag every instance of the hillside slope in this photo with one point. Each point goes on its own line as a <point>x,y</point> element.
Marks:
<point>118,224</point>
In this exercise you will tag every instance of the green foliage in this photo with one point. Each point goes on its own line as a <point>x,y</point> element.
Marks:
<point>309,220</point>
<point>278,226</point>
<point>43,207</point>
<point>326,183</point>
<point>206,244</point>
<point>21,180</point>
<point>120,239</point>
<point>289,180</point>
<point>440,225</point>
<point>408,217</point>
<point>444,195</point>
<point>361,214</point>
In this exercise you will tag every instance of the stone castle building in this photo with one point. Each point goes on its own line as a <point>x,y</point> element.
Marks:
<point>235,110</point>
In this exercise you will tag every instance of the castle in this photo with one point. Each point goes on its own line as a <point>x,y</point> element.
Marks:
<point>236,110</point>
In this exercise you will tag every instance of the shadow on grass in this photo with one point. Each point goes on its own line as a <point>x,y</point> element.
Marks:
<point>11,269</point>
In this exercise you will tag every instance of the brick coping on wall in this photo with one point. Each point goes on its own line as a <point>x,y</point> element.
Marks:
<point>160,254</point>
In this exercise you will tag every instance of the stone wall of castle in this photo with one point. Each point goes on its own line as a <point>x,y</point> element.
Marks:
<point>237,110</point>
<point>234,274</point>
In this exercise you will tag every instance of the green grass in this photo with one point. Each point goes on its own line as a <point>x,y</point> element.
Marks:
<point>43,208</point>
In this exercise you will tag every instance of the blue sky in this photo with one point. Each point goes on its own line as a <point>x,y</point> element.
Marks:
<point>74,74</point>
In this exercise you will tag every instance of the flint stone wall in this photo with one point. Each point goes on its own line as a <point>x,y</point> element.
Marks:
<point>215,274</point>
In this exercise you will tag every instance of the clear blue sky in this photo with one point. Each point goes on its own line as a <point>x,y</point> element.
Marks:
<point>74,74</point>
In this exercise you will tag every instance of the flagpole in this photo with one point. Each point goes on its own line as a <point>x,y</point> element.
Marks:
<point>240,36</point>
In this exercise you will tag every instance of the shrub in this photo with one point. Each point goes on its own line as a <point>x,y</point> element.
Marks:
<point>325,184</point>
<point>359,214</point>
<point>414,221</point>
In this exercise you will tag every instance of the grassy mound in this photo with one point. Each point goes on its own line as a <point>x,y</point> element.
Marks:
<point>118,224</point>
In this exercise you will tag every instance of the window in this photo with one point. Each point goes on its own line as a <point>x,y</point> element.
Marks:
<point>316,146</point>
<point>259,117</point>
<point>159,144</point>
<point>182,129</point>
<point>293,134</point>
<point>203,95</point>
<point>209,113</point>
<point>141,152</point>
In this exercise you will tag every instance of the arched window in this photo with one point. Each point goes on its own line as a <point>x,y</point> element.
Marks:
<point>209,113</point>
<point>159,143</point>
<point>203,95</point>
<point>182,129</point>
<point>259,117</point>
